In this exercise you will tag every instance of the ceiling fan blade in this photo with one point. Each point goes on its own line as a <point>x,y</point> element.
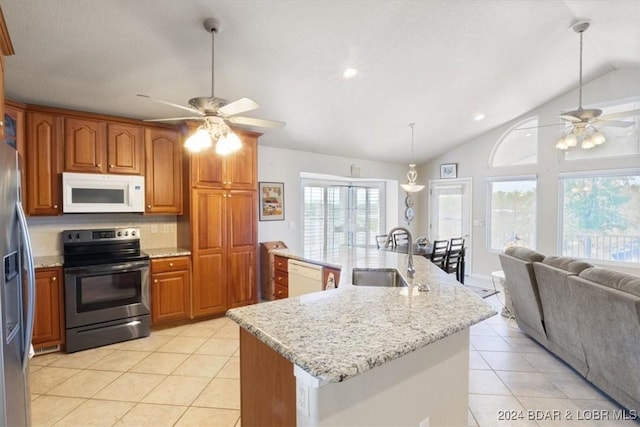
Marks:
<point>174,119</point>
<point>613,123</point>
<point>541,126</point>
<point>236,107</point>
<point>570,118</point>
<point>189,109</point>
<point>620,115</point>
<point>250,121</point>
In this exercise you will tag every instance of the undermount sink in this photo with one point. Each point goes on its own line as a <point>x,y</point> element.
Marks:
<point>389,277</point>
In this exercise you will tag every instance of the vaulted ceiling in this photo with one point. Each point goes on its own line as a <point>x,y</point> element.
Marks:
<point>433,63</point>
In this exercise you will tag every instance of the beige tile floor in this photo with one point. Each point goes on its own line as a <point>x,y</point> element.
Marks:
<point>189,376</point>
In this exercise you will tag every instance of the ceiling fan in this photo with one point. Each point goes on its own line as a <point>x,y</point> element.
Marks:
<point>216,113</point>
<point>582,121</point>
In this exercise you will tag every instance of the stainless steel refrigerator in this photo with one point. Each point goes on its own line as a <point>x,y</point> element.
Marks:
<point>17,295</point>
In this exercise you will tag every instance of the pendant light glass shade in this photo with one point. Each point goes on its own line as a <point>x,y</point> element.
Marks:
<point>226,140</point>
<point>200,140</point>
<point>412,174</point>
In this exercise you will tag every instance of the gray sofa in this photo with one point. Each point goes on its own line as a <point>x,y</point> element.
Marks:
<point>588,316</point>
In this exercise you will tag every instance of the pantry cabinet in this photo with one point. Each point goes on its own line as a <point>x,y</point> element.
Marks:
<point>48,327</point>
<point>221,228</point>
<point>163,177</point>
<point>170,289</point>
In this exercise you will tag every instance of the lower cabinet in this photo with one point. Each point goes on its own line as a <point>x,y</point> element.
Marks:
<point>170,289</point>
<point>280,277</point>
<point>48,328</point>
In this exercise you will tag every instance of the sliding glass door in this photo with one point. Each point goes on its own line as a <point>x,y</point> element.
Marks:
<point>341,216</point>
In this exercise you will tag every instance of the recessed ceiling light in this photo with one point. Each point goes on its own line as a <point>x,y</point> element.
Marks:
<point>350,73</point>
<point>478,117</point>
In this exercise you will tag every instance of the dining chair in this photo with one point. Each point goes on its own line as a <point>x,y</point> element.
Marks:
<point>400,238</point>
<point>455,258</point>
<point>380,239</point>
<point>439,252</point>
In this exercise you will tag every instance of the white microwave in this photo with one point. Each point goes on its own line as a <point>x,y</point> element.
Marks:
<point>95,193</point>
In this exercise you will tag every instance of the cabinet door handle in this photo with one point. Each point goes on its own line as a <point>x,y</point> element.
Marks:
<point>99,165</point>
<point>55,206</point>
<point>54,278</point>
<point>279,292</point>
<point>155,280</point>
<point>148,206</point>
<point>111,166</point>
<point>170,264</point>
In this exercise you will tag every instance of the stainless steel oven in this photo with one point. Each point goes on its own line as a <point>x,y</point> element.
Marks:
<point>106,287</point>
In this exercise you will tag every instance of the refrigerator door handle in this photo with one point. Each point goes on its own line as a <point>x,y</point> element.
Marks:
<point>31,286</point>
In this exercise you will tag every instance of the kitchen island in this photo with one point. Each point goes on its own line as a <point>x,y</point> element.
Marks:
<point>360,355</point>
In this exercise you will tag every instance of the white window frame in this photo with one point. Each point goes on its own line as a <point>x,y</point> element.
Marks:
<point>500,141</point>
<point>488,222</point>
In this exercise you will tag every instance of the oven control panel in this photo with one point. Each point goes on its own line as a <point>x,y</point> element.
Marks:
<point>101,235</point>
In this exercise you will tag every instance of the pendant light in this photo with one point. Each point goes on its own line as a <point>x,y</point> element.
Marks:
<point>412,175</point>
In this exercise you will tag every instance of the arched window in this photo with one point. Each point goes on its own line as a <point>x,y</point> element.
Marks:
<point>517,146</point>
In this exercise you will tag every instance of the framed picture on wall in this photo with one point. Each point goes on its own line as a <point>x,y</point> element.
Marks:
<point>271,201</point>
<point>449,170</point>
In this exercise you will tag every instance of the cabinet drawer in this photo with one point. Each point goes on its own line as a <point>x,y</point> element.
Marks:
<point>281,263</point>
<point>280,278</point>
<point>162,265</point>
<point>281,292</point>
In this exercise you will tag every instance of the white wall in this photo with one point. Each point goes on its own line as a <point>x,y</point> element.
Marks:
<point>282,165</point>
<point>473,161</point>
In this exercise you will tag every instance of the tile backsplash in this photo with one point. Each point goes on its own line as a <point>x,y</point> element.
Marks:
<point>46,232</point>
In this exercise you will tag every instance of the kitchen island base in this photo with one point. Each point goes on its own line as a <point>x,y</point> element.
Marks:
<point>428,383</point>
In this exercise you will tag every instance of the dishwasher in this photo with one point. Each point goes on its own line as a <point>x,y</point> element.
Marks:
<point>304,278</point>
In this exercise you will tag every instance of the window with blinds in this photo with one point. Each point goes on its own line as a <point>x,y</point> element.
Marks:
<point>341,215</point>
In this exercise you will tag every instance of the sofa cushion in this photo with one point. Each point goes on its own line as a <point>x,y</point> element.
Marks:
<point>613,279</point>
<point>572,265</point>
<point>524,254</point>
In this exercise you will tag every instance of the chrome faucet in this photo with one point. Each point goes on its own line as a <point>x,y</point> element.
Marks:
<point>410,270</point>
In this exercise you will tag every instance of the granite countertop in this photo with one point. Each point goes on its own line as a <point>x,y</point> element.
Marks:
<point>166,252</point>
<point>48,261</point>
<point>340,333</point>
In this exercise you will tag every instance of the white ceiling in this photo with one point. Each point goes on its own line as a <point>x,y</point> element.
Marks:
<point>435,63</point>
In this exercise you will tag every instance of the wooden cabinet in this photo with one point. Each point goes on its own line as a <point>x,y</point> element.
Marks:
<point>267,270</point>
<point>221,229</point>
<point>242,250</point>
<point>125,149</point>
<point>97,146</point>
<point>208,223</point>
<point>43,163</point>
<point>170,289</point>
<point>48,328</point>
<point>84,145</point>
<point>163,176</point>
<point>225,250</point>
<point>281,277</point>
<point>236,171</point>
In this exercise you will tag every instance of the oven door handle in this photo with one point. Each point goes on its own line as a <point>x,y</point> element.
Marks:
<point>105,268</point>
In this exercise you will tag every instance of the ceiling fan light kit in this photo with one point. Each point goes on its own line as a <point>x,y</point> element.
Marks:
<point>216,113</point>
<point>412,174</point>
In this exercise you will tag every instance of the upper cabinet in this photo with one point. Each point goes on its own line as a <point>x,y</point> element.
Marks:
<point>43,165</point>
<point>84,145</point>
<point>236,171</point>
<point>96,146</point>
<point>125,149</point>
<point>163,183</point>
